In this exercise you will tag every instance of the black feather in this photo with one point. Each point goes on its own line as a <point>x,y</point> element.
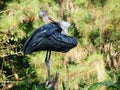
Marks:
<point>48,37</point>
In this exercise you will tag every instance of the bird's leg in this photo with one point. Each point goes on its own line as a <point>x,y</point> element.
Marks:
<point>47,61</point>
<point>54,81</point>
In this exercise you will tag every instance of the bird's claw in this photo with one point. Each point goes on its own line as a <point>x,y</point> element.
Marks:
<point>52,83</point>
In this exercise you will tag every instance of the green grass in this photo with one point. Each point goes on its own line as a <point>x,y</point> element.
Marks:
<point>96,27</point>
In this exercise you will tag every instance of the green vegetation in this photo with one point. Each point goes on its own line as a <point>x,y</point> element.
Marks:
<point>93,65</point>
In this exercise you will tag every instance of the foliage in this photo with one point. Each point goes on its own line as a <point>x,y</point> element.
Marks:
<point>110,85</point>
<point>94,63</point>
<point>94,37</point>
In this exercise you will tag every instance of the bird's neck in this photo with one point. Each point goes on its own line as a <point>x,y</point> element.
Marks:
<point>46,19</point>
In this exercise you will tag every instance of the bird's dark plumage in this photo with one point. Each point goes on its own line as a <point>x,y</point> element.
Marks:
<point>48,37</point>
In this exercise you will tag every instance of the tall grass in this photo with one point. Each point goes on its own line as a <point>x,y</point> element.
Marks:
<point>95,59</point>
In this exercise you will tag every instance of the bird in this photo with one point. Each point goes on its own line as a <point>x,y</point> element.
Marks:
<point>50,37</point>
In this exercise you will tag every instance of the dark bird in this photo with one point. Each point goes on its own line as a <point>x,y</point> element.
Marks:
<point>50,37</point>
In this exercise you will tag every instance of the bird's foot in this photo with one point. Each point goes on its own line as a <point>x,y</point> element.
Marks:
<point>53,83</point>
<point>48,84</point>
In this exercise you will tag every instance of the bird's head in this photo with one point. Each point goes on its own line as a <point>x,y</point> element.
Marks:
<point>63,24</point>
<point>44,16</point>
<point>43,13</point>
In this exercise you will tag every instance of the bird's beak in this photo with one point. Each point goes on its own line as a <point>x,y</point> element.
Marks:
<point>52,19</point>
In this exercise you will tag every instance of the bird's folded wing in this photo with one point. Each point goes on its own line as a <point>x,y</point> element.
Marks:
<point>47,30</point>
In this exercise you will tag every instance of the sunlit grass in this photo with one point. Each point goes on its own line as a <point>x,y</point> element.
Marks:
<point>83,65</point>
